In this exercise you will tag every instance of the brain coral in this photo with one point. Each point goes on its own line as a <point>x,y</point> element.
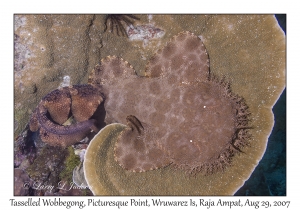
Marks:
<point>239,63</point>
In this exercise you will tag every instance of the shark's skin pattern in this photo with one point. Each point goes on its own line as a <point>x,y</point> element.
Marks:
<point>178,113</point>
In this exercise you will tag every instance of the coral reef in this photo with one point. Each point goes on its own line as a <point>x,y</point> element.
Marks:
<point>241,47</point>
<point>97,161</point>
<point>241,167</point>
<point>46,168</point>
<point>273,163</point>
<point>269,177</point>
<point>48,48</point>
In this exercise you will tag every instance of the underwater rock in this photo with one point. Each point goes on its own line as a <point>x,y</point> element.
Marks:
<point>22,183</point>
<point>144,33</point>
<point>47,166</point>
<point>47,48</point>
<point>25,150</point>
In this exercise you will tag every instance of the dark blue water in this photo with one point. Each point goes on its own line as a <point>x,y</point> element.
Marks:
<point>269,177</point>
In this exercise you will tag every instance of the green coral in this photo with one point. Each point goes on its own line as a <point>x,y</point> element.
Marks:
<point>71,162</point>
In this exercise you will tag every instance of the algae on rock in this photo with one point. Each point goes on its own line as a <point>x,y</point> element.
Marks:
<point>70,163</point>
<point>57,46</point>
<point>47,166</point>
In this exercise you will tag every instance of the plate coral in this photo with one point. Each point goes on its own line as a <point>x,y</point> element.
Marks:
<point>247,50</point>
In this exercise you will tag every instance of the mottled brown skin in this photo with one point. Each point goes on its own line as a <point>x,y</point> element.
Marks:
<point>179,113</point>
<point>54,109</point>
<point>58,104</point>
<point>134,153</point>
